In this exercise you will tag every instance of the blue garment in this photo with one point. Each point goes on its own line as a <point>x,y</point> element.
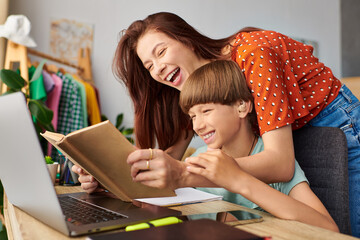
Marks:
<point>344,113</point>
<point>284,187</point>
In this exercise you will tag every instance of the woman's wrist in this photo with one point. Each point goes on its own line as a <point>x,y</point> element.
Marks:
<point>180,173</point>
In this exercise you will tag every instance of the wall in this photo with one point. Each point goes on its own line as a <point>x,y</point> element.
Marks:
<point>316,20</point>
<point>350,38</point>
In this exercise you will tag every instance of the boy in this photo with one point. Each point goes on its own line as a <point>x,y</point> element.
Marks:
<point>219,104</point>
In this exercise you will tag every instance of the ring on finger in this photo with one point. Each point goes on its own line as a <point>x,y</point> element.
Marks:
<point>147,164</point>
<point>151,153</point>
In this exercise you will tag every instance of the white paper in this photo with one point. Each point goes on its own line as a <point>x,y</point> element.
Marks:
<point>183,196</point>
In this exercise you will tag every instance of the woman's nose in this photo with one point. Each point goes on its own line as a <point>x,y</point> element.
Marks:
<point>159,68</point>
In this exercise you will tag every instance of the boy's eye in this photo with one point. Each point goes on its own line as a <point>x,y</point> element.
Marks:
<point>206,110</point>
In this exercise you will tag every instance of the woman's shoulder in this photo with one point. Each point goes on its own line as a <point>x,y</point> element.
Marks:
<point>246,41</point>
<point>261,34</point>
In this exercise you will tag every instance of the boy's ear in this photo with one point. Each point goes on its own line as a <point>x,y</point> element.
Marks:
<point>244,108</point>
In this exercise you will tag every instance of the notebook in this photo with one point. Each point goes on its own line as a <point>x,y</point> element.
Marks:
<point>28,186</point>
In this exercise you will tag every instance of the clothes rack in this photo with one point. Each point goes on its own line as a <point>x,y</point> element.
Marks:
<point>16,53</point>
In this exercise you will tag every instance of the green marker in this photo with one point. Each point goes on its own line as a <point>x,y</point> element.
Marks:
<point>154,223</point>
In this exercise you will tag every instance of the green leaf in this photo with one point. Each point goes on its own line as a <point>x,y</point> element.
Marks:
<point>12,79</point>
<point>38,71</point>
<point>127,131</point>
<point>103,117</point>
<point>42,113</point>
<point>131,140</point>
<point>48,160</point>
<point>38,129</point>
<point>47,127</point>
<point>119,120</point>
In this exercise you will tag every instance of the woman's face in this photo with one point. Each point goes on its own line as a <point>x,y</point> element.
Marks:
<point>169,61</point>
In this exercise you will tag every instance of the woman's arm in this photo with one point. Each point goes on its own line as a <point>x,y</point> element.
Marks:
<point>178,150</point>
<point>302,204</point>
<point>276,163</point>
<point>164,171</point>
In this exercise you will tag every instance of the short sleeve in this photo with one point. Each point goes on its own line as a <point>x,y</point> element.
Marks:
<point>299,177</point>
<point>266,77</point>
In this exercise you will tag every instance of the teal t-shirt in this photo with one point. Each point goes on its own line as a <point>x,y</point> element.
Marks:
<point>284,187</point>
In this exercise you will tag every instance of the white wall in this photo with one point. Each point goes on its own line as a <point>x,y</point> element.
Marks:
<point>317,20</point>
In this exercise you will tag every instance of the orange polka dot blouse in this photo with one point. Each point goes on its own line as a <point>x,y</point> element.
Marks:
<point>289,84</point>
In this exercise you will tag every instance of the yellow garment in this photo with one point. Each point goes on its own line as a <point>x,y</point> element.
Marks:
<point>92,105</point>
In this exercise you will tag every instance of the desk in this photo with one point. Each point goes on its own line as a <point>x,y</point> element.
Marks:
<point>20,225</point>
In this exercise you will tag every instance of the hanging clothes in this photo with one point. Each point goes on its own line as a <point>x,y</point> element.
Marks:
<point>49,83</point>
<point>82,94</point>
<point>70,107</point>
<point>53,100</point>
<point>70,114</point>
<point>37,87</point>
<point>92,105</point>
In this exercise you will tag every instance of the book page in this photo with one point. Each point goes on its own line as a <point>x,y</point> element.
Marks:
<point>183,196</point>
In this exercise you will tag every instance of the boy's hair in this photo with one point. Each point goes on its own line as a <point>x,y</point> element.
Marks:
<point>220,81</point>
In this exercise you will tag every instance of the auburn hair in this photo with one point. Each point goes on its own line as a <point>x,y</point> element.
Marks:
<point>158,116</point>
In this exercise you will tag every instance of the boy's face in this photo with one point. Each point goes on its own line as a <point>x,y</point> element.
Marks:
<point>216,124</point>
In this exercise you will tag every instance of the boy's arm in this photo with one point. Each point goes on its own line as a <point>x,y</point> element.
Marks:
<point>302,204</point>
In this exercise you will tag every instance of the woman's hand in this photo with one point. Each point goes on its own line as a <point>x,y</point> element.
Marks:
<point>155,168</point>
<point>216,166</point>
<point>88,182</point>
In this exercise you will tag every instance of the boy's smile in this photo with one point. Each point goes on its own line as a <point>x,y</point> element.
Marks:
<point>218,125</point>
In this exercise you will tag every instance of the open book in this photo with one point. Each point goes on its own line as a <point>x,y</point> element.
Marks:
<point>102,150</point>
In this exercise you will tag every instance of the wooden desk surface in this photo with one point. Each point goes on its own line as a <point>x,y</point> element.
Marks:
<point>20,225</point>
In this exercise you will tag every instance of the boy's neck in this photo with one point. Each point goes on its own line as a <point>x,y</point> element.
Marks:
<point>242,145</point>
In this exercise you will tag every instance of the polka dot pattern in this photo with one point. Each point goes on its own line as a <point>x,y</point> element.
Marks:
<point>289,84</point>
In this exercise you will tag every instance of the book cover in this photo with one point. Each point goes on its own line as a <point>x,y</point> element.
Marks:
<point>102,151</point>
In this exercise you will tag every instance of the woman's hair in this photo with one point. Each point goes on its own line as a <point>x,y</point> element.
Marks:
<point>157,113</point>
<point>220,82</point>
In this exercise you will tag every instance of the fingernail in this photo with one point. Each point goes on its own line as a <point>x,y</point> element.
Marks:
<point>186,159</point>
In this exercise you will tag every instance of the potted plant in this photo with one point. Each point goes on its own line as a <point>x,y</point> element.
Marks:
<point>52,167</point>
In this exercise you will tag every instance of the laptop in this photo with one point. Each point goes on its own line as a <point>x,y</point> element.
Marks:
<point>27,182</point>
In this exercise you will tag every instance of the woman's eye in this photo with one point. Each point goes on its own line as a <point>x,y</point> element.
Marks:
<point>149,67</point>
<point>161,51</point>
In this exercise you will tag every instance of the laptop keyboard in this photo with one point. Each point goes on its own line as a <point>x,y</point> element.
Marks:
<point>80,212</point>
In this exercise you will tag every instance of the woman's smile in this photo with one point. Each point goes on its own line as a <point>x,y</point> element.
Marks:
<point>169,61</point>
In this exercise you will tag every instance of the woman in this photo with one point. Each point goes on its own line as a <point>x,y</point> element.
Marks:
<point>291,88</point>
